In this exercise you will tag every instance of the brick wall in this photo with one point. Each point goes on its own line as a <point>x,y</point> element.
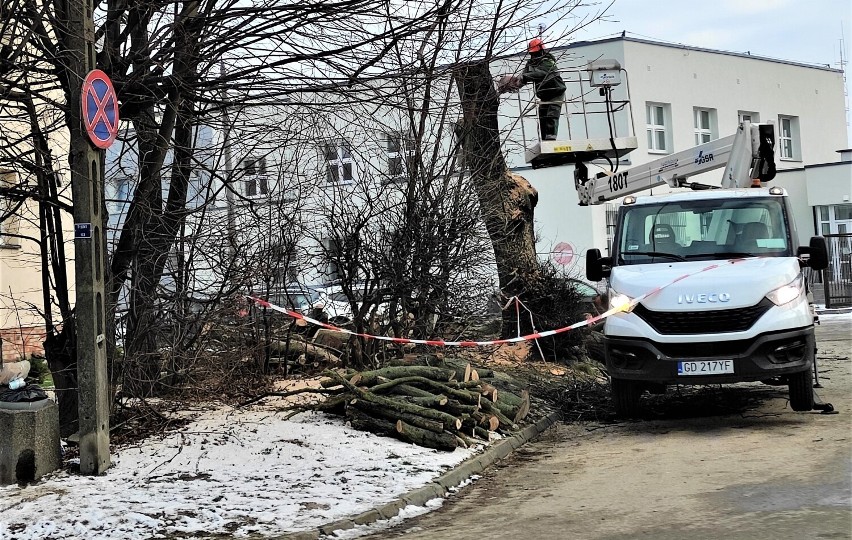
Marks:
<point>22,342</point>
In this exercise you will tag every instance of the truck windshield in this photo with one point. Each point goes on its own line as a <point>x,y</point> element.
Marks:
<point>703,229</point>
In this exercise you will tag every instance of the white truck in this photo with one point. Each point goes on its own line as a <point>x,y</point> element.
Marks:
<point>748,318</point>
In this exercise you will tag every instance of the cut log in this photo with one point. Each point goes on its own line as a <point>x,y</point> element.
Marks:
<point>486,420</point>
<point>425,401</point>
<point>458,408</point>
<point>450,421</point>
<point>408,390</point>
<point>474,375</point>
<point>335,404</point>
<point>422,437</point>
<point>488,391</point>
<point>298,346</point>
<point>364,422</point>
<point>442,388</point>
<point>370,378</point>
<point>524,408</point>
<point>418,421</point>
<point>467,372</point>
<point>482,433</point>
<point>460,441</point>
<point>468,441</point>
<point>505,422</point>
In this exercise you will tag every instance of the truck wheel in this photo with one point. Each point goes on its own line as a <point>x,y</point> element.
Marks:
<point>625,397</point>
<point>801,390</point>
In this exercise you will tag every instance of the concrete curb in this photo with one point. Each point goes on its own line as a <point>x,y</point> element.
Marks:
<point>437,488</point>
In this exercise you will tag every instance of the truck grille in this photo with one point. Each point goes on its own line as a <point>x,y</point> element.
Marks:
<point>703,322</point>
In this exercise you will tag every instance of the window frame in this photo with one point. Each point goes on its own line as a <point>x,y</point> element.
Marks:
<point>395,153</point>
<point>340,161</point>
<point>793,151</point>
<point>704,133</point>
<point>10,227</point>
<point>653,129</point>
<point>754,117</point>
<point>255,180</point>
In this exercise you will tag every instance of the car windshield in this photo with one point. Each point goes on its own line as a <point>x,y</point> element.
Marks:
<point>703,230</point>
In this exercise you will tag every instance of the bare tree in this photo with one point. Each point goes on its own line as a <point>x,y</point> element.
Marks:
<point>414,242</point>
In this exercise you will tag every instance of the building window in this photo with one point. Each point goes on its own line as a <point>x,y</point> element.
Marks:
<point>9,218</point>
<point>658,115</point>
<point>788,138</point>
<point>396,162</point>
<point>339,165</point>
<point>748,116</point>
<point>397,149</point>
<point>256,181</point>
<point>834,219</point>
<point>705,125</point>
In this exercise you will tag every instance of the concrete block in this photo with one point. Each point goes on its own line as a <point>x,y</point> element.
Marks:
<point>364,518</point>
<point>340,525</point>
<point>29,441</point>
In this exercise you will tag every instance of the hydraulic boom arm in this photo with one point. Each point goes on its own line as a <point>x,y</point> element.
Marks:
<point>747,156</point>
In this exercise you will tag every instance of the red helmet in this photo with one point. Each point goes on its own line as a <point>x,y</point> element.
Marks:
<point>536,45</point>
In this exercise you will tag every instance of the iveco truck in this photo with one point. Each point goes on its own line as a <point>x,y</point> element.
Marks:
<point>707,284</point>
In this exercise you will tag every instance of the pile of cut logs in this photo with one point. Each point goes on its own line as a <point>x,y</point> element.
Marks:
<point>437,407</point>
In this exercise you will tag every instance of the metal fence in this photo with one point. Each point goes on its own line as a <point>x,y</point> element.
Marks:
<point>837,278</point>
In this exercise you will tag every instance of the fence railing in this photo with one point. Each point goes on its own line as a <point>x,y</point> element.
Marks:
<point>837,278</point>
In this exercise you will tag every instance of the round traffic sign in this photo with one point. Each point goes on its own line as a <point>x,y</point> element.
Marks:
<point>100,109</point>
<point>563,253</point>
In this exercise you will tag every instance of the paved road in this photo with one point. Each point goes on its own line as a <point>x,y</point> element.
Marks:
<point>760,471</point>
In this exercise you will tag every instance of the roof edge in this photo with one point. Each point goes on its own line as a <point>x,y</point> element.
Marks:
<point>584,43</point>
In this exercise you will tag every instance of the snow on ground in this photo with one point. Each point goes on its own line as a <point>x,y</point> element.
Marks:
<point>238,472</point>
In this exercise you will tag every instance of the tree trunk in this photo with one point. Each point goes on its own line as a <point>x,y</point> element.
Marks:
<point>506,199</point>
<point>60,351</point>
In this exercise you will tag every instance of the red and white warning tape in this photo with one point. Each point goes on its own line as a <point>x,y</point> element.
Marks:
<point>528,337</point>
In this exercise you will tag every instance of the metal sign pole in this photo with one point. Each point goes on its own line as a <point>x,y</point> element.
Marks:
<point>87,179</point>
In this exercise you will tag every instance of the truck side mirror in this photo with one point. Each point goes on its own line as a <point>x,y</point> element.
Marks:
<point>817,253</point>
<point>597,267</point>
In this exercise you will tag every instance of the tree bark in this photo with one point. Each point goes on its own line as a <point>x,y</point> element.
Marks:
<point>506,199</point>
<point>429,439</point>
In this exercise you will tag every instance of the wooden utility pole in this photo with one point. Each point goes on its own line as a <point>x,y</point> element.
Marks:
<point>87,182</point>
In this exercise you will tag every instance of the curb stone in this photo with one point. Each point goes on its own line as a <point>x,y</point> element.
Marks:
<point>437,488</point>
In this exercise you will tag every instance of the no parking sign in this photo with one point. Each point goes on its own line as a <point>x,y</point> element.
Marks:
<point>100,109</point>
<point>563,253</point>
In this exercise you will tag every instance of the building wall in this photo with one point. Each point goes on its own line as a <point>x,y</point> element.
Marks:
<point>794,181</point>
<point>830,184</point>
<point>21,298</point>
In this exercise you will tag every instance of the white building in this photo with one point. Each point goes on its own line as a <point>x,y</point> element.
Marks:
<point>679,97</point>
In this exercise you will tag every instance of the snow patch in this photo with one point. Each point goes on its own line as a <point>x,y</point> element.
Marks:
<point>235,472</point>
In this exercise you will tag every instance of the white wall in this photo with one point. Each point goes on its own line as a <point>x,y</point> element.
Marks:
<point>830,184</point>
<point>794,181</point>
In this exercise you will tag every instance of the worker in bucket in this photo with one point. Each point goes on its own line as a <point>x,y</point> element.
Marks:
<point>542,71</point>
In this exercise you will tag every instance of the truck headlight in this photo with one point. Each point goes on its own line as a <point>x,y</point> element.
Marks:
<point>619,301</point>
<point>787,293</point>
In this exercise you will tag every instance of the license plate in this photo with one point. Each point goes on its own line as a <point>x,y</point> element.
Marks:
<point>705,367</point>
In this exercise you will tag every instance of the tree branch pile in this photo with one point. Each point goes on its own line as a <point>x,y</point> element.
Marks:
<point>444,407</point>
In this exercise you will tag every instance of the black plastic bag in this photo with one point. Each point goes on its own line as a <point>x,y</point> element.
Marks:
<point>30,392</point>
